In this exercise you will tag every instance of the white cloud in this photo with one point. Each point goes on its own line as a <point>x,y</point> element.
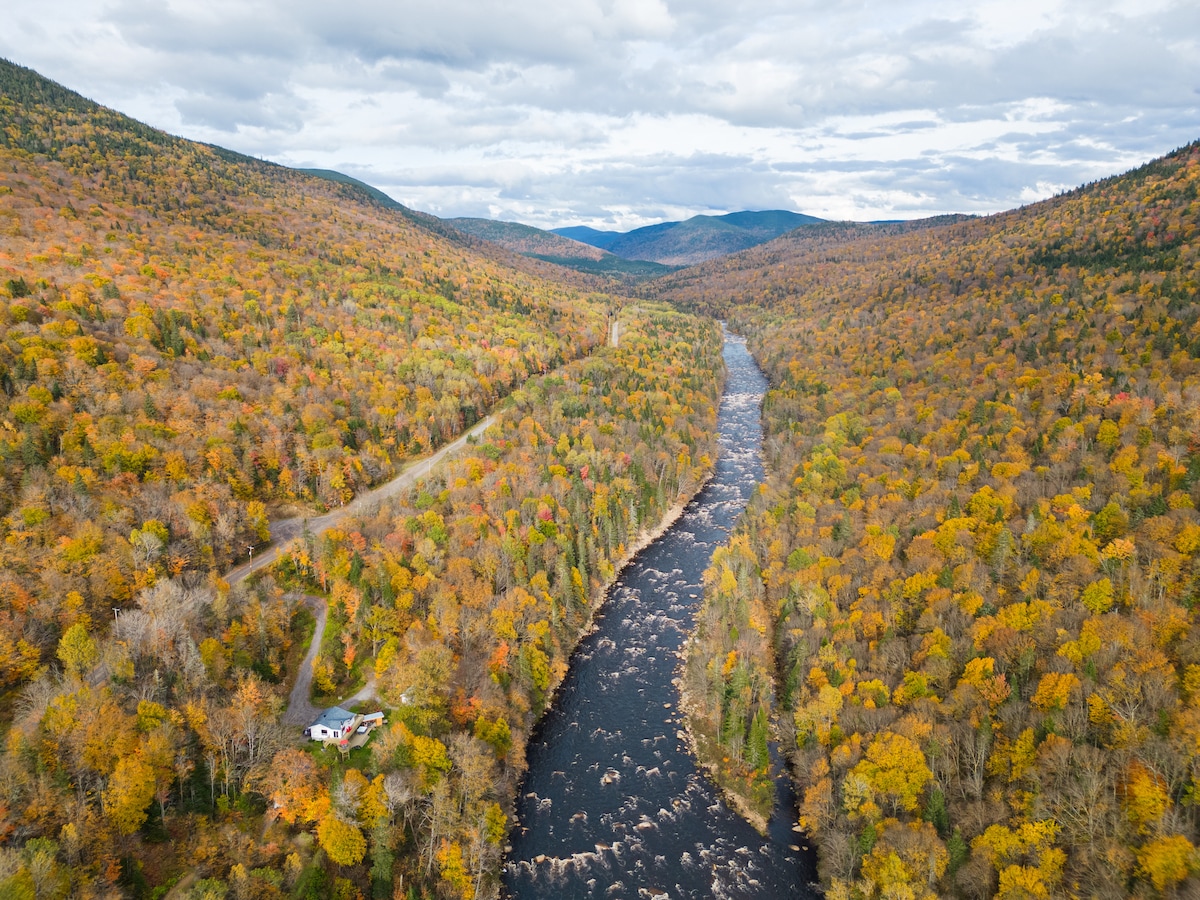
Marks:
<point>621,112</point>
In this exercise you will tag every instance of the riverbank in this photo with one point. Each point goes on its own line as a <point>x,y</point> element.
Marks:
<point>728,671</point>
<point>725,686</point>
<point>614,802</point>
<point>645,538</point>
<point>746,807</point>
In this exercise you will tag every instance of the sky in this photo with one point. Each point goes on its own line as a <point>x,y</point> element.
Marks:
<point>622,113</point>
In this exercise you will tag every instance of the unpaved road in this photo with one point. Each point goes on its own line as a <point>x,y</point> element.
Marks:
<point>300,710</point>
<point>286,529</point>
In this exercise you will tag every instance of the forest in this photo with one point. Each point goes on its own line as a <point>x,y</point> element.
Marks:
<point>962,603</point>
<point>471,594</point>
<point>195,343</point>
<point>966,596</point>
<point>161,740</point>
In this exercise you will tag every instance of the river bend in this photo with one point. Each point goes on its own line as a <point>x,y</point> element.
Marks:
<point>613,804</point>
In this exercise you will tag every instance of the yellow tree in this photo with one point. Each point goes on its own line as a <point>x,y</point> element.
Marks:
<point>77,650</point>
<point>129,793</point>
<point>894,768</point>
<point>1166,861</point>
<point>342,841</point>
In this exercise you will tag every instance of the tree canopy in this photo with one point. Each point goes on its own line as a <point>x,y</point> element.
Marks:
<point>978,544</point>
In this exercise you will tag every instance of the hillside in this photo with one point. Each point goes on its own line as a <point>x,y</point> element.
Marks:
<point>527,239</point>
<point>313,338</point>
<point>695,240</point>
<point>591,236</point>
<point>194,341</point>
<point>712,284</point>
<point>978,550</point>
<point>374,193</point>
<point>553,248</point>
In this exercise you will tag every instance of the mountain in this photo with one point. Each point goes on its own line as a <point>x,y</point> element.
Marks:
<point>426,220</point>
<point>554,248</point>
<point>373,192</point>
<point>971,580</point>
<point>142,245</point>
<point>645,252</point>
<point>695,240</point>
<point>195,344</point>
<point>255,337</point>
<point>525,240</point>
<point>707,285</point>
<point>586,235</point>
<point>193,341</point>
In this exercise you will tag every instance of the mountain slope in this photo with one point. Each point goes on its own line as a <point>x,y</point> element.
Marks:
<point>190,341</point>
<point>192,337</point>
<point>716,283</point>
<point>341,178</point>
<point>979,543</point>
<point>592,236</point>
<point>554,248</point>
<point>695,240</point>
<point>527,239</point>
<point>427,221</point>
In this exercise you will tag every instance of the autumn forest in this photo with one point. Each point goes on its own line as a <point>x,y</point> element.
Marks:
<point>960,606</point>
<point>968,589</point>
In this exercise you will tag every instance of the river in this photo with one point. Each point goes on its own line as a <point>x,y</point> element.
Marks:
<point>613,804</point>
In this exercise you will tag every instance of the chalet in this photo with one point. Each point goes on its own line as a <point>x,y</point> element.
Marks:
<point>334,723</point>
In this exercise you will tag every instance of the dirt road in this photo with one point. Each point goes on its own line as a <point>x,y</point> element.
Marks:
<point>300,710</point>
<point>285,530</point>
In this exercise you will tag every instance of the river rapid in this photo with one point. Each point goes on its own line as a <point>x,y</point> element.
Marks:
<point>613,804</point>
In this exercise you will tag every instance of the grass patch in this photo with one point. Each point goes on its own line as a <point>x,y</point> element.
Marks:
<point>332,760</point>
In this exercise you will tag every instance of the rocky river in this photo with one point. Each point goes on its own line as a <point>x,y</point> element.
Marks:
<point>613,804</point>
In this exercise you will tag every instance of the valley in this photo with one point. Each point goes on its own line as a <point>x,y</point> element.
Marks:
<point>971,564</point>
<point>908,576</point>
<point>612,788</point>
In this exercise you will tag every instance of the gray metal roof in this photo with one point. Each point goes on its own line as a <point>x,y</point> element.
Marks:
<point>334,718</point>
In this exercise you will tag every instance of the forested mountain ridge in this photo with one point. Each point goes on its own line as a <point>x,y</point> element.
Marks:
<point>715,283</point>
<point>192,337</point>
<point>978,549</point>
<point>600,270</point>
<point>373,192</point>
<point>693,240</point>
<point>553,248</point>
<point>526,238</point>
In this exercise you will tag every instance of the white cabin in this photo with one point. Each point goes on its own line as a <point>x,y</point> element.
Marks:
<point>334,723</point>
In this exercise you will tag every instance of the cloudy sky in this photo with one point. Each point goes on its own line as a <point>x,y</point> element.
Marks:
<point>620,113</point>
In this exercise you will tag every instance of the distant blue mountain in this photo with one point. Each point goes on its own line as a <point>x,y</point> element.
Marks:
<point>592,236</point>
<point>694,240</point>
<point>556,248</point>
